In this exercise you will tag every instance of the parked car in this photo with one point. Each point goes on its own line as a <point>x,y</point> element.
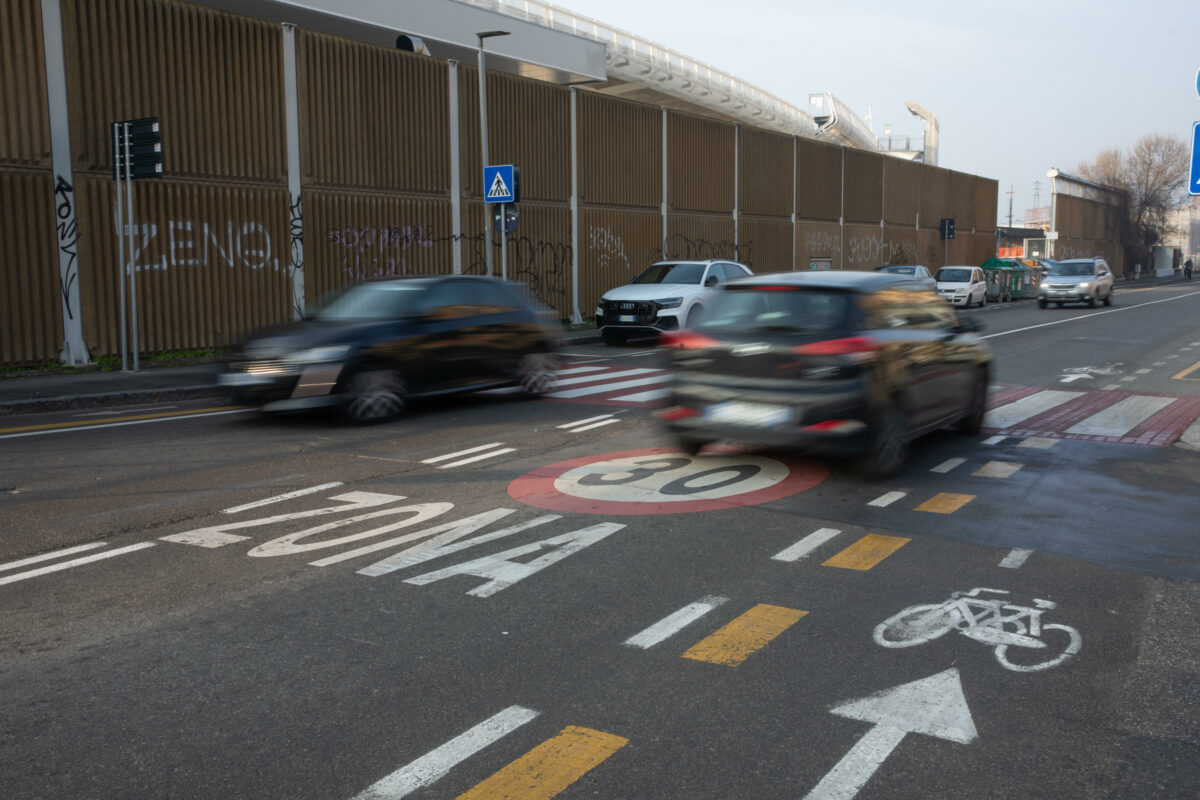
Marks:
<point>837,363</point>
<point>915,271</point>
<point>376,345</point>
<point>666,296</point>
<point>962,286</point>
<point>1077,280</point>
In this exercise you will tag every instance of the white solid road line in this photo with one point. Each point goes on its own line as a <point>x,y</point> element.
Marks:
<point>612,387</point>
<point>1121,417</point>
<point>584,421</point>
<point>946,466</point>
<point>77,429</point>
<point>24,562</point>
<point>1089,316</point>
<point>806,545</point>
<point>1015,558</point>
<point>886,500</point>
<point>480,457</point>
<point>594,425</point>
<point>468,451</point>
<point>437,762</point>
<point>75,562</point>
<point>280,497</point>
<point>1009,414</point>
<point>672,624</point>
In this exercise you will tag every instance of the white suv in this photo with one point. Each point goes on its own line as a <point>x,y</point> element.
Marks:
<point>962,286</point>
<point>1077,280</point>
<point>667,296</point>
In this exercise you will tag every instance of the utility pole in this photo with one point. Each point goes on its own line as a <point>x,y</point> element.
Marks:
<point>1037,194</point>
<point>1010,197</point>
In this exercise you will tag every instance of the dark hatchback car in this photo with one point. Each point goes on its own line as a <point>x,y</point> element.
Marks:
<point>375,345</point>
<point>830,363</point>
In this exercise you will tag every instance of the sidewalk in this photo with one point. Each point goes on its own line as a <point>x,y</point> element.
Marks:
<point>48,391</point>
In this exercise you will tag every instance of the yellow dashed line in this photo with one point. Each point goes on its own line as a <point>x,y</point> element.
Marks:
<point>946,502</point>
<point>747,634</point>
<point>110,420</point>
<point>1182,375</point>
<point>997,469</point>
<point>550,767</point>
<point>867,552</point>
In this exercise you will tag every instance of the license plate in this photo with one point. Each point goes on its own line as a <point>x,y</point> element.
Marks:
<point>626,318</point>
<point>759,415</point>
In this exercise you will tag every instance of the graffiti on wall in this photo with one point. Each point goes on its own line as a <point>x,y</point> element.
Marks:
<point>875,249</point>
<point>698,249</point>
<point>377,252</point>
<point>186,243</point>
<point>609,249</point>
<point>68,241</point>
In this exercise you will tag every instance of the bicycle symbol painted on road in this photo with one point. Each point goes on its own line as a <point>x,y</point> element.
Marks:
<point>991,621</point>
<point>1107,369</point>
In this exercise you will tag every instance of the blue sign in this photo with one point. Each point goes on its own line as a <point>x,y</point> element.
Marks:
<point>501,184</point>
<point>1194,180</point>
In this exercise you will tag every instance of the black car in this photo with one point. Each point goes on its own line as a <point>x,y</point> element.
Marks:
<point>375,345</point>
<point>834,363</point>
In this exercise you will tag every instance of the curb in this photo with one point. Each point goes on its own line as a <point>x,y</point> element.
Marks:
<point>105,399</point>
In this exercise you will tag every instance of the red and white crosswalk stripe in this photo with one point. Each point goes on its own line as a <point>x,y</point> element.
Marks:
<point>1098,416</point>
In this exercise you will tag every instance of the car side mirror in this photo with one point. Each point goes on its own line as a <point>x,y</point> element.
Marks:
<point>711,280</point>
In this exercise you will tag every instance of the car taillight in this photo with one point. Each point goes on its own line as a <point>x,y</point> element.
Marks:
<point>677,412</point>
<point>854,345</point>
<point>836,426</point>
<point>685,340</point>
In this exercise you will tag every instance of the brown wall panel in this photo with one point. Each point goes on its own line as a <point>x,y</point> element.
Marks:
<point>962,201</point>
<point>869,246</point>
<point>30,306</point>
<point>764,173</point>
<point>818,181</point>
<point>371,117</point>
<point>1068,216</point>
<point>902,191</point>
<point>864,186</point>
<point>529,124</point>
<point>818,240</point>
<point>698,236</point>
<point>355,237</point>
<point>214,79</point>
<point>620,152</point>
<point>764,244</point>
<point>700,163</point>
<point>614,246</point>
<point>24,114</point>
<point>211,262</point>
<point>986,197</point>
<point>935,196</point>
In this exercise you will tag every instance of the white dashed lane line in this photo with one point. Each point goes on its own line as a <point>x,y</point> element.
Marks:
<point>674,623</point>
<point>1015,558</point>
<point>472,458</point>
<point>75,562</point>
<point>887,499</point>
<point>806,545</point>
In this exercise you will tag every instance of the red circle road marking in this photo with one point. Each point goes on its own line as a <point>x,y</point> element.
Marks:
<point>538,488</point>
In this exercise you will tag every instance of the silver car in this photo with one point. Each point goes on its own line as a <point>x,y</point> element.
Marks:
<point>914,271</point>
<point>1077,280</point>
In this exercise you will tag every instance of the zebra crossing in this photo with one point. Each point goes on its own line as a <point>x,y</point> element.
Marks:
<point>1098,416</point>
<point>607,385</point>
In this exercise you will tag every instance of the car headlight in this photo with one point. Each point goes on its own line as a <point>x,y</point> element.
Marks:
<point>960,291</point>
<point>316,355</point>
<point>1085,285</point>
<point>669,302</point>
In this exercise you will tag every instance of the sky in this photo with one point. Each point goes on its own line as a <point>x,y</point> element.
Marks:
<point>1017,87</point>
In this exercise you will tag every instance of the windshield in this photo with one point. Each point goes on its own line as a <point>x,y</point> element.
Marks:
<point>672,273</point>
<point>954,274</point>
<point>899,270</point>
<point>1072,268</point>
<point>777,309</point>
<point>372,301</point>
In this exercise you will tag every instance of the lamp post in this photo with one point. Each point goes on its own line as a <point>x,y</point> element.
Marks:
<point>483,144</point>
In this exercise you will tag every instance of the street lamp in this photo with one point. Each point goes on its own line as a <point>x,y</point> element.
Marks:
<point>483,144</point>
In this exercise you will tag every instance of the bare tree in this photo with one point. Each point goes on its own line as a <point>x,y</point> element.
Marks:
<point>1153,171</point>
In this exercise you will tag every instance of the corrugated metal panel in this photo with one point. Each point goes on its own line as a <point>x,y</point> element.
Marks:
<point>699,163</point>
<point>214,79</point>
<point>962,201</point>
<point>614,246</point>
<point>765,174</point>
<point>211,262</point>
<point>864,186</point>
<point>869,246</point>
<point>902,191</point>
<point>764,244</point>
<point>354,237</point>
<point>818,181</point>
<point>935,196</point>
<point>818,240</point>
<point>1068,217</point>
<point>539,254</point>
<point>30,306</point>
<point>933,249</point>
<point>371,117</point>
<point>620,152</point>
<point>698,236</point>
<point>529,124</point>
<point>25,121</point>
<point>986,197</point>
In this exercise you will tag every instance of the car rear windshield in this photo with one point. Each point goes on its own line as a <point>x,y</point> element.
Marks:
<point>672,273</point>
<point>1072,268</point>
<point>782,309</point>
<point>899,270</point>
<point>373,301</point>
<point>954,274</point>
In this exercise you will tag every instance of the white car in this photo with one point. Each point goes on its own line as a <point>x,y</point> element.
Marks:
<point>962,286</point>
<point>667,296</point>
<point>916,271</point>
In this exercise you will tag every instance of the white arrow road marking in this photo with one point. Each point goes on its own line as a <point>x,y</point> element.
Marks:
<point>1073,378</point>
<point>933,706</point>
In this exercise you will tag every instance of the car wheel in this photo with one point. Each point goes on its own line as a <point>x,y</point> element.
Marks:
<point>1091,303</point>
<point>613,339</point>
<point>972,423</point>
<point>695,317</point>
<point>889,446</point>
<point>536,373</point>
<point>982,301</point>
<point>375,396</point>
<point>689,446</point>
<point>1108,298</point>
<point>1042,303</point>
<point>1058,305</point>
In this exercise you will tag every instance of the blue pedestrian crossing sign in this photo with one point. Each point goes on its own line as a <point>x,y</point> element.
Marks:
<point>1194,180</point>
<point>502,184</point>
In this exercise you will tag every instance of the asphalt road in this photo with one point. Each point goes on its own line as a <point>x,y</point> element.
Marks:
<point>501,598</point>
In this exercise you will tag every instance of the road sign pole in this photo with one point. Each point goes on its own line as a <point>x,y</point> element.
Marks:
<point>120,243</point>
<point>133,312</point>
<point>504,241</point>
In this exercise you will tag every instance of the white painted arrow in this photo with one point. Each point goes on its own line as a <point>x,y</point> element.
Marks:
<point>1072,378</point>
<point>934,706</point>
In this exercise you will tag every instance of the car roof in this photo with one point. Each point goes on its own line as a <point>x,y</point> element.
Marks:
<point>695,261</point>
<point>852,280</point>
